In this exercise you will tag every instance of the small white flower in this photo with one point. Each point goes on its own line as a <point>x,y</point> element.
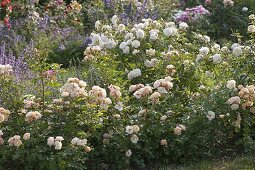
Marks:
<point>134,138</point>
<point>136,43</point>
<point>135,52</point>
<point>186,62</point>
<point>237,51</point>
<point>210,115</point>
<point>140,34</point>
<point>153,35</point>
<point>234,106</point>
<point>163,118</point>
<point>151,52</point>
<point>183,26</point>
<point>216,58</point>
<point>129,129</point>
<point>168,32</point>
<point>58,145</point>
<point>251,28</point>
<point>134,73</point>
<point>136,128</point>
<point>216,48</point>
<point>231,84</point>
<point>50,141</point>
<point>119,106</point>
<point>59,138</point>
<point>207,38</point>
<point>204,50</point>
<point>151,63</point>
<point>74,141</point>
<point>252,17</point>
<point>115,19</point>
<point>245,9</point>
<point>26,136</point>
<point>128,153</point>
<point>97,24</point>
<point>82,142</point>
<point>65,94</point>
<point>121,27</point>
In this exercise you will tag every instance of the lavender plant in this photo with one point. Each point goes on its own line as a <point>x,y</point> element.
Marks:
<point>20,67</point>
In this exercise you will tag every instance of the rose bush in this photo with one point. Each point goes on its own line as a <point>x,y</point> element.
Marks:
<point>151,91</point>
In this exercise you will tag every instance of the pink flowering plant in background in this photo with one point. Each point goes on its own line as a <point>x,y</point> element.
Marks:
<point>191,14</point>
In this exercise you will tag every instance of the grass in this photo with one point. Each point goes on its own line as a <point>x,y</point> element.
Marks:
<point>239,163</point>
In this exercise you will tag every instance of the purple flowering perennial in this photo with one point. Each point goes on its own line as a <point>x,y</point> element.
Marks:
<point>19,64</point>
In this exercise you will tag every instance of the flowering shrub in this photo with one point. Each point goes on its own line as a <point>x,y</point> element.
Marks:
<point>147,91</point>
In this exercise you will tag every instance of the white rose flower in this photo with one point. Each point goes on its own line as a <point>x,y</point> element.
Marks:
<point>65,94</point>
<point>207,38</point>
<point>82,142</point>
<point>237,51</point>
<point>199,58</point>
<point>26,136</point>
<point>97,25</point>
<point>163,118</point>
<point>150,63</point>
<point>231,84</point>
<point>59,138</point>
<point>129,36</point>
<point>178,130</point>
<point>126,50</point>
<point>151,52</point>
<point>204,50</point>
<point>252,17</point>
<point>216,48</point>
<point>216,58</point>
<point>140,26</point>
<point>210,115</point>
<point>224,49</point>
<point>119,106</point>
<point>135,52</point>
<point>136,128</point>
<point>234,106</point>
<point>251,28</point>
<point>114,19</point>
<point>130,129</point>
<point>153,35</point>
<point>58,145</point>
<point>121,27</point>
<point>183,26</point>
<point>123,45</point>
<point>17,143</point>
<point>134,73</point>
<point>74,141</point>
<point>162,90</point>
<point>134,138</point>
<point>245,9</point>
<point>128,153</point>
<point>136,43</point>
<point>50,141</point>
<point>140,34</point>
<point>168,31</point>
<point>234,45</point>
